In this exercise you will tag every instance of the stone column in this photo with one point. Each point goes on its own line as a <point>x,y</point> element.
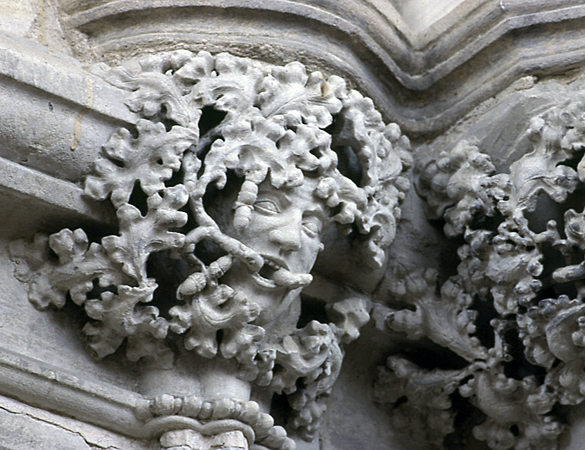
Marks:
<point>193,440</point>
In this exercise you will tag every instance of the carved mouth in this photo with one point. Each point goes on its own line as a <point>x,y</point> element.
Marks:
<point>276,274</point>
<point>270,272</point>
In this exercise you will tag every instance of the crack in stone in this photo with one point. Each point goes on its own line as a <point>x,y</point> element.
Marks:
<point>91,446</point>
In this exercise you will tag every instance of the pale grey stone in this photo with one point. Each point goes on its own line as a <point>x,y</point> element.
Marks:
<point>491,94</point>
<point>20,432</point>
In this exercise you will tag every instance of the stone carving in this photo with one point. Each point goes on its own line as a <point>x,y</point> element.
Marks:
<point>223,193</point>
<point>522,271</point>
<point>190,421</point>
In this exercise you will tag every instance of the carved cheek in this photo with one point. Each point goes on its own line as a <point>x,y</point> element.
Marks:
<point>308,254</point>
<point>256,233</point>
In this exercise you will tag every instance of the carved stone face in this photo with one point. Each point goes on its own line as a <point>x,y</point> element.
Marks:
<point>285,228</point>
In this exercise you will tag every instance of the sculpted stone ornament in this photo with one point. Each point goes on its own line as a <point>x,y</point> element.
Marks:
<point>224,192</point>
<point>516,369</point>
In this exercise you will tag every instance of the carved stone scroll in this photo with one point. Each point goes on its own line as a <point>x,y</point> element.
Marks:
<point>224,191</point>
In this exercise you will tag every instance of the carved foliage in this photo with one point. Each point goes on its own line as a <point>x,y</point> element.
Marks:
<point>514,269</point>
<point>205,119</point>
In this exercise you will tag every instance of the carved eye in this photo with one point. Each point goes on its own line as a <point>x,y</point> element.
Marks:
<point>266,206</point>
<point>312,226</point>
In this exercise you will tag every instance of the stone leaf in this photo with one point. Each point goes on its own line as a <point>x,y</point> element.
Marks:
<point>91,278</point>
<point>292,97</point>
<point>118,316</point>
<point>235,85</point>
<point>575,228</point>
<point>554,336</point>
<point>216,308</point>
<point>474,257</point>
<point>303,144</point>
<point>308,364</point>
<point>512,403</point>
<point>142,235</point>
<point>568,382</point>
<point>308,398</point>
<point>532,330</point>
<point>540,170</point>
<point>348,317</point>
<point>154,91</point>
<point>242,343</point>
<point>445,320</point>
<point>191,70</point>
<point>572,136</point>
<point>460,184</point>
<point>427,414</point>
<point>76,267</point>
<point>248,132</point>
<point>384,156</point>
<point>514,270</point>
<point>306,420</point>
<point>358,119</point>
<point>259,369</point>
<point>503,267</point>
<point>303,354</point>
<point>150,159</point>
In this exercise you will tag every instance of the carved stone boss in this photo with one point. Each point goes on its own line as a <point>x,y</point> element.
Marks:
<point>224,192</point>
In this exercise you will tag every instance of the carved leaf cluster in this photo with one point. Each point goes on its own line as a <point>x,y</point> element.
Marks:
<point>149,160</point>
<point>64,263</point>
<point>428,412</point>
<point>459,185</point>
<point>202,118</point>
<point>445,319</point>
<point>531,358</point>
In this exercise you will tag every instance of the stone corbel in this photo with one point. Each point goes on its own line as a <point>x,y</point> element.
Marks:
<point>224,191</point>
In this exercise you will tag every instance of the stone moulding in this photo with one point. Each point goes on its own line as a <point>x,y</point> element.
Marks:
<point>59,201</point>
<point>119,410</point>
<point>438,73</point>
<point>53,388</point>
<point>72,111</point>
<point>185,277</point>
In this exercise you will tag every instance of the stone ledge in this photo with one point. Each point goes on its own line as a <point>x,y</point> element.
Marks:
<point>51,388</point>
<point>34,201</point>
<point>25,427</point>
<point>56,115</point>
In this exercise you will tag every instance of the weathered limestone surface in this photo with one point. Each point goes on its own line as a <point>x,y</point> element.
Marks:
<point>212,238</point>
<point>26,427</point>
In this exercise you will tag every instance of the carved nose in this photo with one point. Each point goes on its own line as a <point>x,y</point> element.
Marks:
<point>287,237</point>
